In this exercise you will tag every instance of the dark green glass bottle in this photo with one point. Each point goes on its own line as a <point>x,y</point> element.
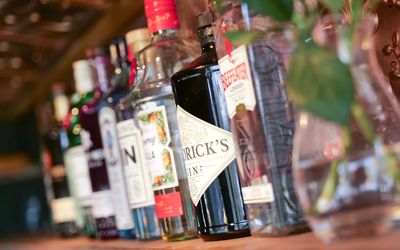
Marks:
<point>75,157</point>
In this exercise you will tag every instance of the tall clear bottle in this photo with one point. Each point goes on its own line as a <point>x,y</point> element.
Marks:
<point>102,201</point>
<point>262,118</point>
<point>75,158</point>
<point>108,128</point>
<point>137,175</point>
<point>207,143</point>
<point>155,115</point>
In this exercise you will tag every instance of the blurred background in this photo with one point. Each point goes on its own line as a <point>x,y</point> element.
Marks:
<point>39,40</point>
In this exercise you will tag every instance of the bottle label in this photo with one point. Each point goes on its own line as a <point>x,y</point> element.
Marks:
<point>63,210</point>
<point>258,193</point>
<point>94,152</point>
<point>108,123</point>
<point>78,172</point>
<point>207,150</point>
<point>102,204</point>
<point>168,205</point>
<point>237,80</point>
<point>156,139</point>
<point>137,175</point>
<point>241,102</point>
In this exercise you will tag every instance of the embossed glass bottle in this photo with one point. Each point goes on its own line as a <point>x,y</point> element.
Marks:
<point>207,143</point>
<point>262,119</point>
<point>155,115</point>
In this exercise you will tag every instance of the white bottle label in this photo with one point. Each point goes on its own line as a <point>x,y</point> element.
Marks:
<point>102,204</point>
<point>78,171</point>
<point>63,210</point>
<point>137,175</point>
<point>258,194</point>
<point>237,80</point>
<point>156,139</point>
<point>207,149</point>
<point>108,123</point>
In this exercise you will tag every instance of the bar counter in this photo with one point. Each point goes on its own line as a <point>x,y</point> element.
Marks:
<point>308,241</point>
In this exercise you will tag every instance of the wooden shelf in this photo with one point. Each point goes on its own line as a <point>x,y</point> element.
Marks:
<point>306,241</point>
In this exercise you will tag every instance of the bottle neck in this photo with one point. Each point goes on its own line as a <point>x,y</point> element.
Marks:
<point>162,35</point>
<point>122,65</point>
<point>102,66</point>
<point>207,41</point>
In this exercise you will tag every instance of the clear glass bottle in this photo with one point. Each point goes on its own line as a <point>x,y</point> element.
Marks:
<point>155,115</point>
<point>262,118</point>
<point>207,143</point>
<point>137,175</point>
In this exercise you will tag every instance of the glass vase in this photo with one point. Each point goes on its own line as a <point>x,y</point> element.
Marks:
<point>347,179</point>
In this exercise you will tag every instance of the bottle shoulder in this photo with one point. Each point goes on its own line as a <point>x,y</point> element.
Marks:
<point>196,70</point>
<point>84,99</point>
<point>159,61</point>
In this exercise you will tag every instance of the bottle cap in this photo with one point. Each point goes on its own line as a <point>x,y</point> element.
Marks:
<point>83,76</point>
<point>161,15</point>
<point>137,39</point>
<point>204,19</point>
<point>103,71</point>
<point>60,102</point>
<point>92,52</point>
<point>118,52</point>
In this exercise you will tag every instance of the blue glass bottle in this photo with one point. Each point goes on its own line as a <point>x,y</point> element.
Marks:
<point>108,127</point>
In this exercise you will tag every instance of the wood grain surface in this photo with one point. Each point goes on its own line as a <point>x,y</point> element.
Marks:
<point>306,241</point>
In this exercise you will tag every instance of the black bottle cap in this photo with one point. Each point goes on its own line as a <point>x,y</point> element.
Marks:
<point>118,51</point>
<point>204,19</point>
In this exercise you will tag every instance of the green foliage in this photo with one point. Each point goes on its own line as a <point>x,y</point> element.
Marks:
<point>280,10</point>
<point>239,37</point>
<point>332,180</point>
<point>334,5</point>
<point>363,122</point>
<point>320,84</point>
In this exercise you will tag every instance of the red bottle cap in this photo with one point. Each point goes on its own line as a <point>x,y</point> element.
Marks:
<point>161,15</point>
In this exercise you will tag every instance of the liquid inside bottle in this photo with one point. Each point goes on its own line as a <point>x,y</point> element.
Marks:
<point>207,143</point>
<point>155,115</point>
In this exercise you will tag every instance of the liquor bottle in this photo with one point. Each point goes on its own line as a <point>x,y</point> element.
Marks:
<point>75,157</point>
<point>262,119</point>
<point>62,203</point>
<point>102,202</point>
<point>155,115</point>
<point>207,143</point>
<point>137,175</point>
<point>108,128</point>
